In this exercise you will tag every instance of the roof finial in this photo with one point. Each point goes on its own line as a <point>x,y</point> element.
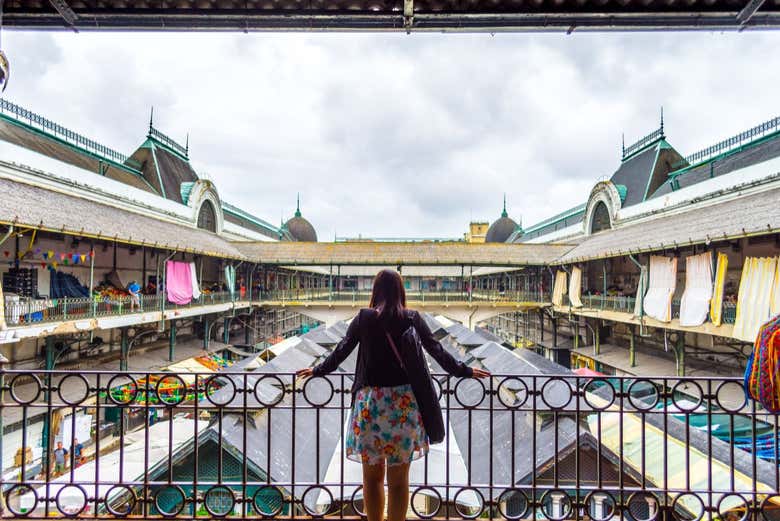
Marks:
<point>151,119</point>
<point>298,206</point>
<point>623,143</point>
<point>504,214</point>
<point>662,120</point>
<point>187,145</point>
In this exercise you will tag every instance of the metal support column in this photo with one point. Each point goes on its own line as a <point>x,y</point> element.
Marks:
<point>679,353</point>
<point>123,349</point>
<point>632,347</point>
<point>172,341</point>
<point>555,332</point>
<point>541,325</point>
<point>597,338</point>
<point>576,330</point>
<point>226,330</point>
<point>206,327</point>
<point>46,444</point>
<point>246,327</point>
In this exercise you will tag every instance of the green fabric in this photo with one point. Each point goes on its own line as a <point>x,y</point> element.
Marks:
<point>230,279</point>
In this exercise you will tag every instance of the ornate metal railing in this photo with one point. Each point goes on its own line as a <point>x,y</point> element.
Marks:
<point>643,142</point>
<point>31,118</point>
<point>768,127</point>
<point>363,297</point>
<point>170,143</point>
<point>266,445</point>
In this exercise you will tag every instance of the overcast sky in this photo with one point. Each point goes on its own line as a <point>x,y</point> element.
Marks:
<point>398,135</point>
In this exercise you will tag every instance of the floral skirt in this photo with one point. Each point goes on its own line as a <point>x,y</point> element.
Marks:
<point>386,425</point>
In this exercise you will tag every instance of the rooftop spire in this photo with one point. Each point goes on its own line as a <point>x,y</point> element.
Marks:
<point>298,206</point>
<point>151,119</point>
<point>503,213</point>
<point>662,120</point>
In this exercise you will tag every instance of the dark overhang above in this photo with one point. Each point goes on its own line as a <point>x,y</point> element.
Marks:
<point>389,15</point>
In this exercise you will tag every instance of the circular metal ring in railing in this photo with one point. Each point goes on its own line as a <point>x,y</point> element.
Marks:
<point>505,504</point>
<point>686,405</point>
<point>307,388</point>
<point>637,400</point>
<point>20,490</point>
<point>433,492</point>
<point>565,503</point>
<point>439,390</point>
<point>314,512</point>
<point>212,382</point>
<point>603,499</point>
<point>597,388</point>
<point>82,379</point>
<point>638,502</point>
<point>770,501</point>
<point>174,489</point>
<point>723,402</point>
<point>725,510</point>
<point>126,399</point>
<point>550,386</point>
<point>354,501</point>
<point>470,382</point>
<point>177,397</point>
<point>279,397</point>
<point>15,381</point>
<point>694,505</point>
<point>477,509</point>
<point>70,510</point>
<point>518,390</point>
<point>263,494</point>
<point>121,493</point>
<point>217,495</point>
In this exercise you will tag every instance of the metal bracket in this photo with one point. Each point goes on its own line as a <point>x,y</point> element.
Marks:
<point>67,14</point>
<point>408,18</point>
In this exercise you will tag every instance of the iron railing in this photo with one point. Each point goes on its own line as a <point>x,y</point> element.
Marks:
<point>266,445</point>
<point>31,118</point>
<point>168,142</point>
<point>759,131</point>
<point>26,311</point>
<point>363,296</point>
<point>625,304</point>
<point>643,142</point>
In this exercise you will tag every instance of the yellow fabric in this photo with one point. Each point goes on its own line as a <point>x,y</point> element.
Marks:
<point>559,288</point>
<point>755,291</point>
<point>575,287</point>
<point>716,304</point>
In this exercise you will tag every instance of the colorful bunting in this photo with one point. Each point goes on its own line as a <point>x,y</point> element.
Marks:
<point>43,265</point>
<point>7,253</point>
<point>83,257</point>
<point>51,254</point>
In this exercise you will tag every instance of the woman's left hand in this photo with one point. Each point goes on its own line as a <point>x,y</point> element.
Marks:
<point>479,373</point>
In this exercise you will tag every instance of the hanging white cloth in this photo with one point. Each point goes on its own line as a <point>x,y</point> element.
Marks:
<point>575,287</point>
<point>559,288</point>
<point>695,303</point>
<point>663,281</point>
<point>755,294</point>
<point>641,289</point>
<point>195,285</point>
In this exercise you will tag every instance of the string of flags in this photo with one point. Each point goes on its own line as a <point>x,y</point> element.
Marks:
<point>52,259</point>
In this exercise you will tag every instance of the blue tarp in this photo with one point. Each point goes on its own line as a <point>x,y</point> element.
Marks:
<point>66,285</point>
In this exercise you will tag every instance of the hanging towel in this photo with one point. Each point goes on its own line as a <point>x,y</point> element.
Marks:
<point>755,290</point>
<point>195,285</point>
<point>178,282</point>
<point>230,279</point>
<point>641,289</point>
<point>559,289</point>
<point>695,303</point>
<point>663,281</point>
<point>575,287</point>
<point>716,304</point>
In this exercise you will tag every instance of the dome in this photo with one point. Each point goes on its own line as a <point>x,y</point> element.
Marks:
<point>299,228</point>
<point>502,229</point>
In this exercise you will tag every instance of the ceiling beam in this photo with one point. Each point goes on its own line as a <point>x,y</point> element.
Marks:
<point>65,11</point>
<point>748,11</point>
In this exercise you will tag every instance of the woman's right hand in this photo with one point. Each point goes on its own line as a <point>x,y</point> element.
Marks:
<point>479,373</point>
<point>304,373</point>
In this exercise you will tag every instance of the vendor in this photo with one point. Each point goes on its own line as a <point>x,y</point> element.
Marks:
<point>135,299</point>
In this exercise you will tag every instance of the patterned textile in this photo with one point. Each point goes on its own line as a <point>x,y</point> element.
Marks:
<point>695,303</point>
<point>575,287</point>
<point>716,304</point>
<point>386,424</point>
<point>762,381</point>
<point>774,299</point>
<point>559,288</point>
<point>753,303</point>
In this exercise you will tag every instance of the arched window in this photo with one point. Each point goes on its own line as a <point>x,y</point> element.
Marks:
<point>601,220</point>
<point>207,217</point>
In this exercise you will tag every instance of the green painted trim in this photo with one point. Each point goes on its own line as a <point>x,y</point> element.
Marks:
<point>185,189</point>
<point>684,170</point>
<point>157,170</point>
<point>652,171</point>
<point>237,212</point>
<point>557,218</point>
<point>622,192</point>
<point>73,147</point>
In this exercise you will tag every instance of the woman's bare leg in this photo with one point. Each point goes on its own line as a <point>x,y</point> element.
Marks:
<point>374,491</point>
<point>397,492</point>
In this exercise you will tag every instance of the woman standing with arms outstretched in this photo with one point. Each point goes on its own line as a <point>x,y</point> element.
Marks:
<point>386,428</point>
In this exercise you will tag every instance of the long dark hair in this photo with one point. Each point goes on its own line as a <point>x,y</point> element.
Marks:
<point>388,296</point>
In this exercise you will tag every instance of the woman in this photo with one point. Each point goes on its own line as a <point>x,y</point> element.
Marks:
<point>386,428</point>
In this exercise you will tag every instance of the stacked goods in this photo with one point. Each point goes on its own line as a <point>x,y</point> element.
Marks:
<point>21,281</point>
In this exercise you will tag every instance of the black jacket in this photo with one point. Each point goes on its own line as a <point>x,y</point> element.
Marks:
<point>376,364</point>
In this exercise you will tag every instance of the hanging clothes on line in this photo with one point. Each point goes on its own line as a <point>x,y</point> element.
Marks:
<point>695,303</point>
<point>663,281</point>
<point>230,279</point>
<point>195,285</point>
<point>575,287</point>
<point>755,291</point>
<point>716,304</point>
<point>178,282</point>
<point>559,288</point>
<point>641,289</point>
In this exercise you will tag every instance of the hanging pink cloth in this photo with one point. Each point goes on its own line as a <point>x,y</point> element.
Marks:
<point>178,282</point>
